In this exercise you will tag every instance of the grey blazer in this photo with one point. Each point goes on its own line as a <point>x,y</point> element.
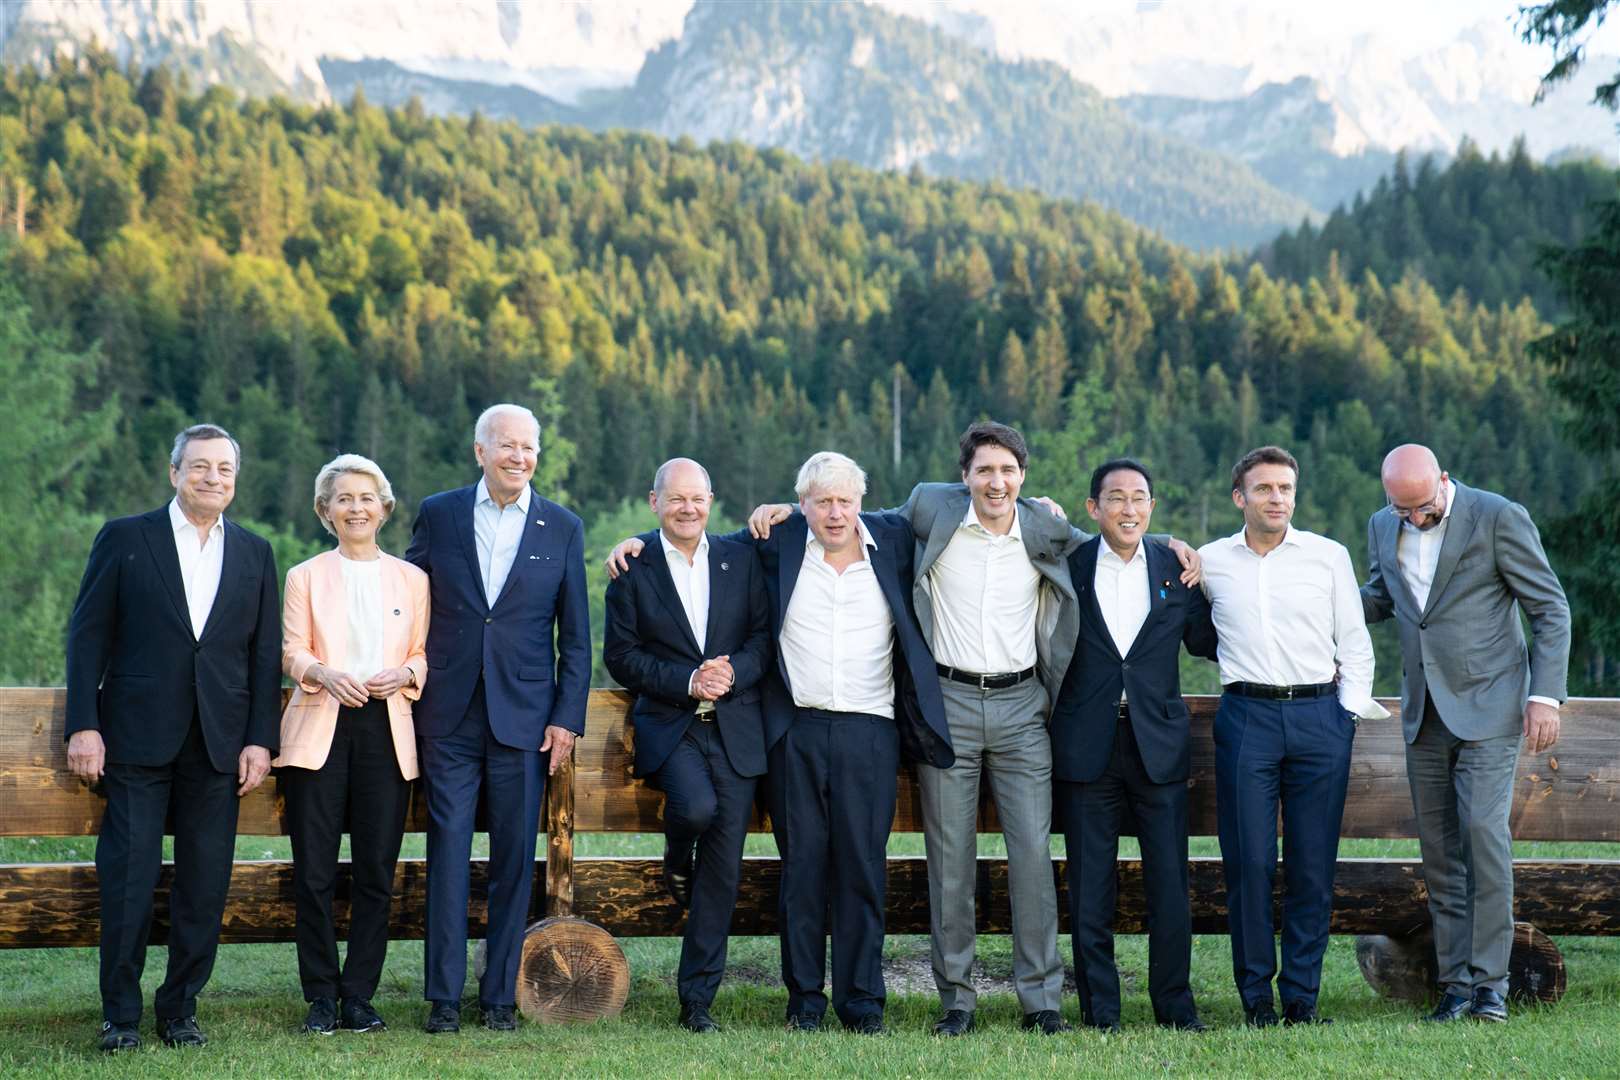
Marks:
<point>1466,647</point>
<point>935,510</point>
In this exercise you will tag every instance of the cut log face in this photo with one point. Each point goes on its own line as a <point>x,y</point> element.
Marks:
<point>571,970</point>
<point>1404,968</point>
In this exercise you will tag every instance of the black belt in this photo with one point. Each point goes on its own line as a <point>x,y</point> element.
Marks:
<point>985,682</point>
<point>1279,693</point>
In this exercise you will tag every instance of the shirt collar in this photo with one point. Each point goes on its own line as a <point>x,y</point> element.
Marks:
<point>671,550</point>
<point>1106,554</point>
<point>482,495</point>
<point>1237,538</point>
<point>810,541</point>
<point>179,523</point>
<point>970,520</point>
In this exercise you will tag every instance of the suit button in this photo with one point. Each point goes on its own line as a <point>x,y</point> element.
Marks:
<point>489,620</point>
<point>1124,667</point>
<point>1423,626</point>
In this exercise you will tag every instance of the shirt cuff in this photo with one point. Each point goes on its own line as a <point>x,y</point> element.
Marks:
<point>1554,702</point>
<point>1365,708</point>
<point>691,683</point>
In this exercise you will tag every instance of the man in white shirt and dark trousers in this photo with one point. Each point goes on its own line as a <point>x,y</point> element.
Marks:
<point>1297,666</point>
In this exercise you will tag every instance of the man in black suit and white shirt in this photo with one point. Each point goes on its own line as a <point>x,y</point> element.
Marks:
<point>688,631</point>
<point>173,703</point>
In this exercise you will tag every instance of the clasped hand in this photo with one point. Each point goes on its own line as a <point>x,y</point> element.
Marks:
<point>354,693</point>
<point>714,679</point>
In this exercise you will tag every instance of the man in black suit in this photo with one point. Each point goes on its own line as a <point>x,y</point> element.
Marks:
<point>688,631</point>
<point>173,704</point>
<point>1120,741</point>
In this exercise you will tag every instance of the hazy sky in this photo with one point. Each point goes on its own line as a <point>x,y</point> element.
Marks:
<point>1432,21</point>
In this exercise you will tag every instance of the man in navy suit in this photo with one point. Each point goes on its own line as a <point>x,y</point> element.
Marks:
<point>1120,742</point>
<point>508,579</point>
<point>174,705</point>
<point>688,631</point>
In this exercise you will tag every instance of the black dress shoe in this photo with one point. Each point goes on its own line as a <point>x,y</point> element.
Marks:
<point>1451,1007</point>
<point>443,1019</point>
<point>954,1022</point>
<point>181,1031</point>
<point>678,871</point>
<point>1299,1012</point>
<point>695,1018</point>
<point>116,1037</point>
<point>358,1015</point>
<point>803,1022</point>
<point>869,1024</point>
<point>1048,1021</point>
<point>1103,1027</point>
<point>498,1017</point>
<point>322,1018</point>
<point>1488,1005</point>
<point>1260,1016</point>
<point>1185,1023</point>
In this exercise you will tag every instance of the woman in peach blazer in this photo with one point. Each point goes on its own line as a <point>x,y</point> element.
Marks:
<point>354,625</point>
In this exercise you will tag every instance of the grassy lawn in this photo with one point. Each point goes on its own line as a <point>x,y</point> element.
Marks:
<point>252,1007</point>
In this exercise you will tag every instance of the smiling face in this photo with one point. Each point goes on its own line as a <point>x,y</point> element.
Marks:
<point>833,516</point>
<point>355,509</point>
<point>683,504</point>
<point>994,479</point>
<point>1267,499</point>
<point>509,459</point>
<point>205,481</point>
<point>1122,510</point>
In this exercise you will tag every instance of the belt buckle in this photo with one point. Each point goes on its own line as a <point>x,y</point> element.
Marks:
<point>984,685</point>
<point>1288,693</point>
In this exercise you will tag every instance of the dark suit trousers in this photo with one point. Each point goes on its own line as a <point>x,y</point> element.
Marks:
<point>1298,752</point>
<point>359,788</point>
<point>1091,815</point>
<point>707,803</point>
<point>833,780</point>
<point>129,855</point>
<point>455,767</point>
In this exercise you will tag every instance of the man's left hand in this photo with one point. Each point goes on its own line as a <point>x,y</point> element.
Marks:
<point>1192,564</point>
<point>252,766</point>
<point>560,741</point>
<point>1540,726</point>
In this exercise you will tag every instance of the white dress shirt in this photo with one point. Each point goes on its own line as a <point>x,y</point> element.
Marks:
<point>837,636</point>
<point>1122,594</point>
<point>498,531</point>
<point>692,586</point>
<point>200,564</point>
<point>1291,617</point>
<point>985,592</point>
<point>362,590</point>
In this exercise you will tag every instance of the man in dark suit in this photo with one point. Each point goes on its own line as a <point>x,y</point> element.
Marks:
<point>173,704</point>
<point>688,631</point>
<point>1120,742</point>
<point>507,574</point>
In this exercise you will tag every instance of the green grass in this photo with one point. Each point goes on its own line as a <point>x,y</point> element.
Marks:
<point>252,1007</point>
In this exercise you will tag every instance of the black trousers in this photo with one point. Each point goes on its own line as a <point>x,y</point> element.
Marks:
<point>359,788</point>
<point>129,856</point>
<point>833,784</point>
<point>1091,814</point>
<point>707,803</point>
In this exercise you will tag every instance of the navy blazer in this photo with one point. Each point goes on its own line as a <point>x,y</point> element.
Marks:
<point>137,673</point>
<point>528,685</point>
<point>919,706</point>
<point>649,647</point>
<point>1087,710</point>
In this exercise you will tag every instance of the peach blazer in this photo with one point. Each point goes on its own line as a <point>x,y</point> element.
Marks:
<point>315,629</point>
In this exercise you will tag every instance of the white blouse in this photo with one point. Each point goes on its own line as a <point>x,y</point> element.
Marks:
<point>362,584</point>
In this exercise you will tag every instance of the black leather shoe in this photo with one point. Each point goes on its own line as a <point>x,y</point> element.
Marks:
<point>1048,1021</point>
<point>443,1019</point>
<point>803,1022</point>
<point>869,1024</point>
<point>678,871</point>
<point>1260,1016</point>
<point>695,1018</point>
<point>322,1018</point>
<point>954,1022</point>
<point>1103,1027</point>
<point>181,1031</point>
<point>116,1037</point>
<point>1185,1023</point>
<point>358,1015</point>
<point>1488,1005</point>
<point>1451,1007</point>
<point>1298,1012</point>
<point>498,1017</point>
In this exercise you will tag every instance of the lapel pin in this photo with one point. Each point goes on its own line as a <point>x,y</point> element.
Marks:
<point>725,566</point>
<point>1163,595</point>
<point>532,557</point>
<point>539,521</point>
<point>396,611</point>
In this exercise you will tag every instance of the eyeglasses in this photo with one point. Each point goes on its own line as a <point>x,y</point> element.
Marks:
<point>1428,509</point>
<point>1118,502</point>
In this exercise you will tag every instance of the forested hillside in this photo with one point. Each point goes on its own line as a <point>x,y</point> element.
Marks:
<point>358,279</point>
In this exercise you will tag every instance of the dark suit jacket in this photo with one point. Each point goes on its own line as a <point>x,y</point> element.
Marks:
<point>528,684</point>
<point>136,672</point>
<point>919,706</point>
<point>1086,714</point>
<point>648,646</point>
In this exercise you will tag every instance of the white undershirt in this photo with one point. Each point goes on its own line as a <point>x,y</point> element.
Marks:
<point>985,592</point>
<point>837,636</point>
<point>362,589</point>
<point>201,564</point>
<point>1417,551</point>
<point>497,531</point>
<point>692,586</point>
<point>1122,594</point>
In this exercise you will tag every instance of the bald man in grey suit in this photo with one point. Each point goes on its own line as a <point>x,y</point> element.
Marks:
<point>1454,566</point>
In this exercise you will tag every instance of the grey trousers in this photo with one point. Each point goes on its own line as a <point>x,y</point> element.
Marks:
<point>1463,792</point>
<point>1002,733</point>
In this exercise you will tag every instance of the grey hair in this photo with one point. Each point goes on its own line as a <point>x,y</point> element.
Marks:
<point>661,477</point>
<point>832,471</point>
<point>326,483</point>
<point>487,418</point>
<point>201,431</point>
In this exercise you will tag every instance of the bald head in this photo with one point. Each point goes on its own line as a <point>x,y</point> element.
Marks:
<point>1414,482</point>
<point>680,497</point>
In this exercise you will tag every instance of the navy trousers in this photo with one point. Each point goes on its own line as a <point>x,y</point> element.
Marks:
<point>454,768</point>
<point>1298,753</point>
<point>706,803</point>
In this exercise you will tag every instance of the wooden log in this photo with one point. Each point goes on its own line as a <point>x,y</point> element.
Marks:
<point>571,970</point>
<point>1404,966</point>
<point>559,826</point>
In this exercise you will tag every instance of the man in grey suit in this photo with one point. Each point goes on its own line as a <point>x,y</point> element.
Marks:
<point>1454,566</point>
